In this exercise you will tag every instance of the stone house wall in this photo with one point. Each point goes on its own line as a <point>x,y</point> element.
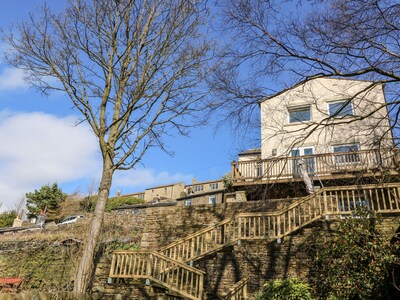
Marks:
<point>201,199</point>
<point>170,191</point>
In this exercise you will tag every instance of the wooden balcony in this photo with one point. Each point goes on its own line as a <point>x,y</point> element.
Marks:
<point>319,166</point>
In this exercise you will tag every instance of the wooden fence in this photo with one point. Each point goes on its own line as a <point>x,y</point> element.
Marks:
<point>327,164</point>
<point>238,291</point>
<point>152,265</point>
<point>277,224</point>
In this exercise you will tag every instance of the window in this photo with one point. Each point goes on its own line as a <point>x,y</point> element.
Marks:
<point>259,172</point>
<point>188,202</point>
<point>309,161</point>
<point>212,199</point>
<point>340,108</point>
<point>300,114</point>
<point>214,186</point>
<point>198,188</point>
<point>349,155</point>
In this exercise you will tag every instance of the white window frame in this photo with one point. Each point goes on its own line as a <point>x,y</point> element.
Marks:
<point>310,168</point>
<point>198,188</point>
<point>213,186</point>
<point>297,108</point>
<point>212,202</point>
<point>301,150</point>
<point>356,161</point>
<point>188,202</point>
<point>340,101</point>
<point>259,171</point>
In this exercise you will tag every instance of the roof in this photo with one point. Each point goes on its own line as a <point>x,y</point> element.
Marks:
<point>131,194</point>
<point>165,185</point>
<point>145,205</point>
<point>250,152</point>
<point>204,182</point>
<point>196,195</point>
<point>309,80</point>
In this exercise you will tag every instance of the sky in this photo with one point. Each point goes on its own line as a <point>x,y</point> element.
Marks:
<point>41,143</point>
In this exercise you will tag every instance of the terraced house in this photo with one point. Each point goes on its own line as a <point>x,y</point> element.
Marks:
<point>326,148</point>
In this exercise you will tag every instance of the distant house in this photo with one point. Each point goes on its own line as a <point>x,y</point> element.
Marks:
<point>163,192</point>
<point>206,192</point>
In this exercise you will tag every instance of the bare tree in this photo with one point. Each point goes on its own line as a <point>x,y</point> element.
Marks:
<point>133,69</point>
<point>282,43</point>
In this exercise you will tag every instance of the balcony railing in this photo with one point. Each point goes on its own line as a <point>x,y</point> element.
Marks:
<point>321,165</point>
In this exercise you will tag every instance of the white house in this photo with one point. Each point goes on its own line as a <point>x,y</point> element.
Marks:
<point>337,125</point>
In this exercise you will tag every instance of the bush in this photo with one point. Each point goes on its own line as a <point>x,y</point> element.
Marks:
<point>117,202</point>
<point>7,218</point>
<point>288,289</point>
<point>228,181</point>
<point>355,263</point>
<point>88,203</point>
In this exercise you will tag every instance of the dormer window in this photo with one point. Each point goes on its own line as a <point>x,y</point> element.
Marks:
<point>300,114</point>
<point>198,188</point>
<point>214,186</point>
<point>340,108</point>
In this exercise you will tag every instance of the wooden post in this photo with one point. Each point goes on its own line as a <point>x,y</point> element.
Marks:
<point>201,282</point>
<point>112,269</point>
<point>148,268</point>
<point>325,212</point>
<point>245,290</point>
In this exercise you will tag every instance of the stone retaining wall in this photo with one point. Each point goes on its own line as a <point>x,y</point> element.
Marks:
<point>50,266</point>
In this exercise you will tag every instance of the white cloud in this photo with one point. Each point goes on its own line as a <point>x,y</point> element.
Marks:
<point>12,79</point>
<point>38,148</point>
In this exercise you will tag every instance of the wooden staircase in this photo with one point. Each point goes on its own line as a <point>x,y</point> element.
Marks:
<point>168,266</point>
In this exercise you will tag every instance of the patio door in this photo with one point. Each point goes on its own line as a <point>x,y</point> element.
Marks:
<point>309,161</point>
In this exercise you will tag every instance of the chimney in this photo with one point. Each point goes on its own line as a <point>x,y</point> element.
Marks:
<point>194,180</point>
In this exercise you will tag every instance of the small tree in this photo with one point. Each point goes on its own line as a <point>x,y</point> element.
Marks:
<point>48,198</point>
<point>7,218</point>
<point>355,263</point>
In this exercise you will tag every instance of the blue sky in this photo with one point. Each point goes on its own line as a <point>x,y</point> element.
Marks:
<point>41,145</point>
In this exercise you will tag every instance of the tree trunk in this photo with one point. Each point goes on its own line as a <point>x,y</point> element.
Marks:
<point>86,263</point>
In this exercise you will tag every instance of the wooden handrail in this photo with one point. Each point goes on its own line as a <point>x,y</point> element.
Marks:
<point>317,164</point>
<point>238,291</point>
<point>273,225</point>
<point>190,236</point>
<point>172,274</point>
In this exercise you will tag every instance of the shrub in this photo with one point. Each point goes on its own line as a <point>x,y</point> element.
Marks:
<point>288,289</point>
<point>355,262</point>
<point>228,181</point>
<point>117,202</point>
<point>7,218</point>
<point>88,203</point>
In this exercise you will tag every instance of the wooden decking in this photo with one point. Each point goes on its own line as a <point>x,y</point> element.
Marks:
<point>319,166</point>
<point>168,266</point>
